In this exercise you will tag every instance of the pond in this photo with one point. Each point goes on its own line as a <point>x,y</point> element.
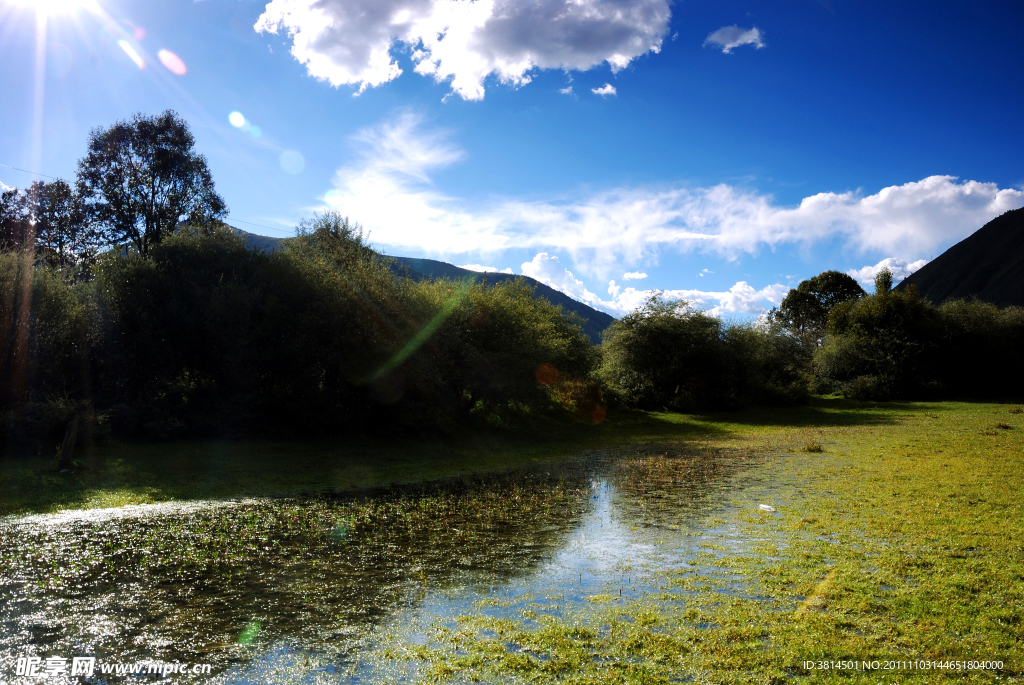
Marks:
<point>347,589</point>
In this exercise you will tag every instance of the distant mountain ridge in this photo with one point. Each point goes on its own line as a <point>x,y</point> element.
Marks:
<point>594,321</point>
<point>418,269</point>
<point>988,264</point>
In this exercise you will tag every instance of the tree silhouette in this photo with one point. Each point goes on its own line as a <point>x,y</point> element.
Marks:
<point>804,311</point>
<point>62,230</point>
<point>141,179</point>
<point>15,226</point>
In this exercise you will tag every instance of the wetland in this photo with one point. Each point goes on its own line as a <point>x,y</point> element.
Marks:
<point>728,553</point>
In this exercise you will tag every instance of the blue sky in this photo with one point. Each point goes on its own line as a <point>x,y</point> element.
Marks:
<point>720,151</point>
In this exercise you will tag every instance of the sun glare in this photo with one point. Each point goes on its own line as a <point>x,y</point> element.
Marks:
<point>55,7</point>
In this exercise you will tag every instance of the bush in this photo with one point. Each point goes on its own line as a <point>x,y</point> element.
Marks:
<point>505,353</point>
<point>204,335</point>
<point>668,355</point>
<point>980,349</point>
<point>894,344</point>
<point>47,333</point>
<point>889,336</point>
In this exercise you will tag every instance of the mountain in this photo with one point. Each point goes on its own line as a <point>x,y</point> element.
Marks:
<point>594,321</point>
<point>988,264</point>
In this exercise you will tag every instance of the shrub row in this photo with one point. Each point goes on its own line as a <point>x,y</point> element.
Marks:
<point>896,344</point>
<point>207,336</point>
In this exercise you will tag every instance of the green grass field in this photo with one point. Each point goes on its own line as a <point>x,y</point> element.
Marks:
<point>902,541</point>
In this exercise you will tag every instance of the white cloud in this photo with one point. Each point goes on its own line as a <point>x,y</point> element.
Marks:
<point>565,91</point>
<point>899,268</point>
<point>705,271</point>
<point>547,269</point>
<point>605,90</point>
<point>741,298</point>
<point>4,187</point>
<point>388,189</point>
<point>486,269</point>
<point>633,276</point>
<point>729,37</point>
<point>351,41</point>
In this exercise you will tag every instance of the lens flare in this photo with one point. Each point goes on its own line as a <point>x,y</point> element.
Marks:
<point>138,33</point>
<point>172,62</point>
<point>292,162</point>
<point>255,131</point>
<point>236,119</point>
<point>547,374</point>
<point>130,51</point>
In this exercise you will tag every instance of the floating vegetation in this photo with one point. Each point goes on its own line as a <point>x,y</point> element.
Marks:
<point>165,582</point>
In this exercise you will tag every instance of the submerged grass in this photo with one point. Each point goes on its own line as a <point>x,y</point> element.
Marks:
<point>901,543</point>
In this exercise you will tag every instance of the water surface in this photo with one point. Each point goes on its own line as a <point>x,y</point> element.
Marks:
<point>339,589</point>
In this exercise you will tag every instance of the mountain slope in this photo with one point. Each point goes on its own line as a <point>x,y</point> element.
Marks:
<point>988,264</point>
<point>594,321</point>
<point>419,269</point>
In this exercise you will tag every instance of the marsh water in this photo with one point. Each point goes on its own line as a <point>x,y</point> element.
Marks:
<point>336,589</point>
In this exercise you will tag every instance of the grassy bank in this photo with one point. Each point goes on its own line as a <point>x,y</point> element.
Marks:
<point>116,473</point>
<point>900,542</point>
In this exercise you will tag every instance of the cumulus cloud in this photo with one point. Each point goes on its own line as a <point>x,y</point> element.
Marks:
<point>388,188</point>
<point>900,269</point>
<point>351,41</point>
<point>486,269</point>
<point>547,269</point>
<point>729,37</point>
<point>605,90</point>
<point>565,91</point>
<point>742,298</point>
<point>4,187</point>
<point>633,276</point>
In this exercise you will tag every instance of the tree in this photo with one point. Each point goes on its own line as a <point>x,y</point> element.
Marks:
<point>63,235</point>
<point>14,219</point>
<point>804,311</point>
<point>141,179</point>
<point>881,345</point>
<point>666,354</point>
<point>883,281</point>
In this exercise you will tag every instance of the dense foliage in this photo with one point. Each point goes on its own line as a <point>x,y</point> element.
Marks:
<point>896,344</point>
<point>141,178</point>
<point>206,335</point>
<point>804,311</point>
<point>669,355</point>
